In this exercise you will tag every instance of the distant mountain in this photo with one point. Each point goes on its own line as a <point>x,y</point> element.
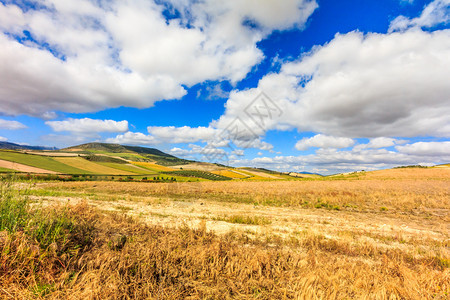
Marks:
<point>12,146</point>
<point>309,173</point>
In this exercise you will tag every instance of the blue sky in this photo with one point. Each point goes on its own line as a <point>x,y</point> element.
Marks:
<point>299,85</point>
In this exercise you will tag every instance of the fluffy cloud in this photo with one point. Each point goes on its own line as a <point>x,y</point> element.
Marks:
<point>133,138</point>
<point>185,134</point>
<point>380,142</point>
<point>213,137</point>
<point>3,139</point>
<point>57,56</point>
<point>361,85</point>
<point>11,125</point>
<point>439,149</point>
<point>88,126</point>
<point>328,161</point>
<point>435,13</point>
<point>324,141</point>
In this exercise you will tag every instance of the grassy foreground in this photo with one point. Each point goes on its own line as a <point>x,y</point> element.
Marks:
<point>56,251</point>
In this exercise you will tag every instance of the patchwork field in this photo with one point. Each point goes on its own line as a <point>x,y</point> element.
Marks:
<point>153,167</point>
<point>10,166</point>
<point>134,169</point>
<point>97,159</point>
<point>83,164</point>
<point>231,174</point>
<point>371,235</point>
<point>41,162</point>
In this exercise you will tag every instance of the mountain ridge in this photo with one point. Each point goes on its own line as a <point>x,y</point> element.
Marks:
<point>14,146</point>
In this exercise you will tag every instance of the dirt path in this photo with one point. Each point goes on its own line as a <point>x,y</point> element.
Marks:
<point>23,168</point>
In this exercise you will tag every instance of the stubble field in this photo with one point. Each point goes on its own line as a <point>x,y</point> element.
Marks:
<point>374,235</point>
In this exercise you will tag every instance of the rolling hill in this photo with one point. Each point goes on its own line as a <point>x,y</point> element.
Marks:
<point>119,162</point>
<point>132,153</point>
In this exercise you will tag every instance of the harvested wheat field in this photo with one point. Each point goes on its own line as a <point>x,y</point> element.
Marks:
<point>23,168</point>
<point>380,235</point>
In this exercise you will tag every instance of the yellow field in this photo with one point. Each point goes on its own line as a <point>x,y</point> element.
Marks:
<point>153,166</point>
<point>86,165</point>
<point>372,235</point>
<point>231,174</point>
<point>258,175</point>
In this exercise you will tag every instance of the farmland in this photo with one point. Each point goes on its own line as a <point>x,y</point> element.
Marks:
<point>103,161</point>
<point>382,234</point>
<point>91,167</point>
<point>39,161</point>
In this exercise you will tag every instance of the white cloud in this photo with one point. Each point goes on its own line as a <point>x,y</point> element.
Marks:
<point>380,142</point>
<point>439,149</point>
<point>435,13</point>
<point>334,161</point>
<point>61,140</point>
<point>361,85</point>
<point>215,139</point>
<point>11,125</point>
<point>133,138</point>
<point>238,152</point>
<point>179,152</point>
<point>3,139</point>
<point>96,55</point>
<point>324,141</point>
<point>88,126</point>
<point>185,134</point>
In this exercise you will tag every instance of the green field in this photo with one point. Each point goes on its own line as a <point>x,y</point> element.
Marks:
<point>129,168</point>
<point>129,156</point>
<point>95,168</point>
<point>5,170</point>
<point>43,162</point>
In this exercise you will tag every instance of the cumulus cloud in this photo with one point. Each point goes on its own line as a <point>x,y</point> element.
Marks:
<point>324,141</point>
<point>132,138</point>
<point>441,149</point>
<point>88,126</point>
<point>361,85</point>
<point>213,137</point>
<point>57,56</point>
<point>3,139</point>
<point>435,13</point>
<point>11,125</point>
<point>184,134</point>
<point>328,161</point>
<point>380,142</point>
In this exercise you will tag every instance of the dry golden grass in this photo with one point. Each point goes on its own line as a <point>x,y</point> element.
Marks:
<point>423,193</point>
<point>409,173</point>
<point>126,259</point>
<point>380,235</point>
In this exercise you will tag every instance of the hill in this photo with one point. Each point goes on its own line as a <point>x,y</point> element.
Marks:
<point>116,148</point>
<point>132,153</point>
